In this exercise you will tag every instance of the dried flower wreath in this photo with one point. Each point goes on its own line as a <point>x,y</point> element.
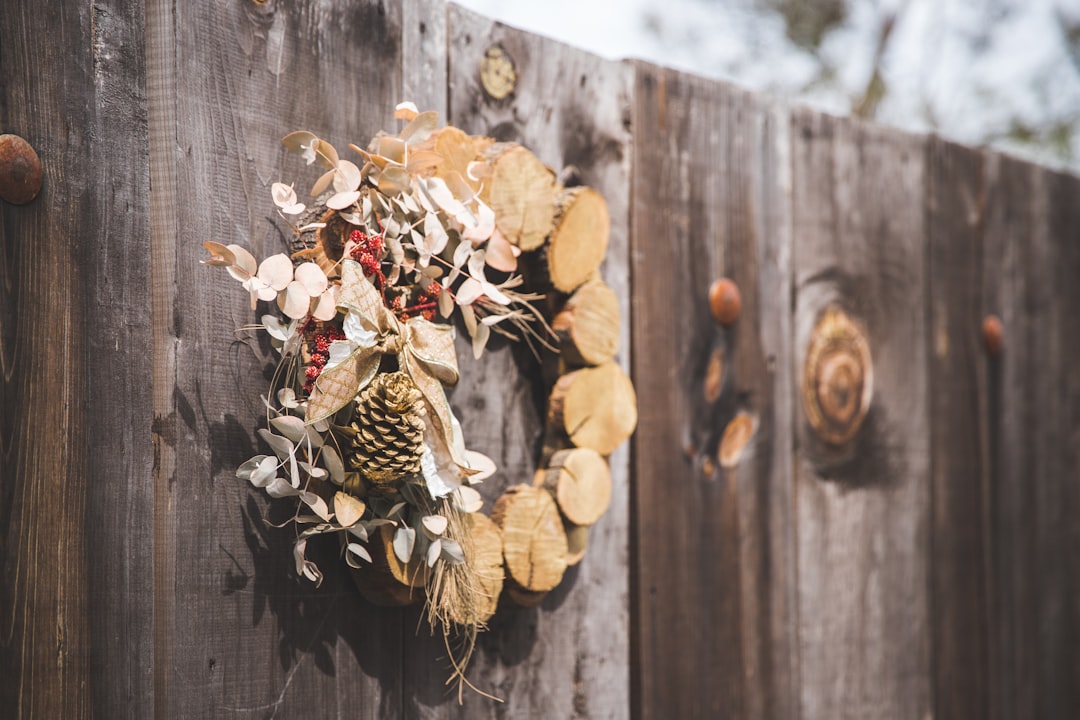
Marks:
<point>433,224</point>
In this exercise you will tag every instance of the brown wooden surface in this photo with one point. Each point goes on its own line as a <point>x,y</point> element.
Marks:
<point>714,553</point>
<point>75,456</point>
<point>863,510</point>
<point>569,657</point>
<point>237,634</point>
<point>929,568</point>
<point>1031,266</point>
<point>958,366</point>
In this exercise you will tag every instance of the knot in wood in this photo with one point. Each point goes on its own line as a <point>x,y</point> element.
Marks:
<point>497,73</point>
<point>838,379</point>
<point>20,170</point>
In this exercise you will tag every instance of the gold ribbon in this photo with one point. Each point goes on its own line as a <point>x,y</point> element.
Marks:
<point>425,351</point>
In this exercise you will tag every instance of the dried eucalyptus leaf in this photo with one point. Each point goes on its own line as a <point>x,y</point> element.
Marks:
<point>434,525</point>
<point>290,426</point>
<point>452,552</point>
<point>356,550</point>
<point>279,488</point>
<point>433,552</point>
<point>316,472</point>
<point>467,499</point>
<point>420,127</point>
<point>332,461</point>
<point>404,542</point>
<point>248,467</point>
<point>359,530</point>
<point>480,339</point>
<point>281,446</point>
<point>348,509</point>
<point>265,472</point>
<point>316,503</point>
<point>394,181</point>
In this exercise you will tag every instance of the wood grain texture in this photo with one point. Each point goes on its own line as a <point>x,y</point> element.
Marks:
<point>863,509</point>
<point>236,633</point>
<point>714,553</point>
<point>960,544</point>
<point>1030,268</point>
<point>75,514</point>
<point>568,657</point>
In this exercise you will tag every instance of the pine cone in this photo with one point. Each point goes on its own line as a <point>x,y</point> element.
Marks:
<point>388,439</point>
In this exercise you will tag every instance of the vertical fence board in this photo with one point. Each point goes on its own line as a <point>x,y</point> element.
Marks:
<point>238,635</point>
<point>714,547</point>
<point>1031,266</point>
<point>959,549</point>
<point>75,516</point>
<point>569,657</point>
<point>863,510</point>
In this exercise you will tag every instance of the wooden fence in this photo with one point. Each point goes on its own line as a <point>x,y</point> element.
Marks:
<point>930,567</point>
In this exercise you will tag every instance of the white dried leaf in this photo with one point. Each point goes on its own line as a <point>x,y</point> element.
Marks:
<point>295,301</point>
<point>287,398</point>
<point>326,306</point>
<point>433,552</point>
<point>420,127</point>
<point>281,446</point>
<point>446,304</point>
<point>322,183</point>
<point>404,542</point>
<point>501,255</point>
<point>469,292</point>
<point>435,236</point>
<point>347,177</point>
<point>467,499</point>
<point>356,550</point>
<point>279,488</point>
<point>434,525</point>
<point>342,200</point>
<point>316,503</point>
<point>452,552</point>
<point>290,426</point>
<point>276,272</point>
<point>312,278</point>
<point>359,531</point>
<point>483,466</point>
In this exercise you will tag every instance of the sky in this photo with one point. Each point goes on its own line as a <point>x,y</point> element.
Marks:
<point>1002,73</point>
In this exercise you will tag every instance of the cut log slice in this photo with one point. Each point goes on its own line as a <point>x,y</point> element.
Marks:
<point>377,584</point>
<point>596,407</point>
<point>580,480</point>
<point>486,563</point>
<point>534,542</point>
<point>521,191</point>
<point>588,326</point>
<point>522,597</point>
<point>577,539</point>
<point>413,574</point>
<point>579,237</point>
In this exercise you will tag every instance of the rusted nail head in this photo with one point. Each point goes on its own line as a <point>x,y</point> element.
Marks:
<point>725,301</point>
<point>993,334</point>
<point>497,73</point>
<point>20,170</point>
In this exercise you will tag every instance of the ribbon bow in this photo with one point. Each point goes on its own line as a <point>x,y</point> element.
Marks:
<point>425,351</point>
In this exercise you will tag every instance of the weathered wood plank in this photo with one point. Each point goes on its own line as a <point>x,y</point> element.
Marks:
<point>863,509</point>
<point>237,635</point>
<point>1030,269</point>
<point>714,552</point>
<point>75,451</point>
<point>568,658</point>
<point>960,558</point>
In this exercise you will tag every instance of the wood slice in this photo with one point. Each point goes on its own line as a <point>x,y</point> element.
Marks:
<point>588,326</point>
<point>579,237</point>
<point>522,597</point>
<point>580,480</point>
<point>534,542</point>
<point>413,574</point>
<point>577,540</point>
<point>376,583</point>
<point>486,563</point>
<point>521,191</point>
<point>596,407</point>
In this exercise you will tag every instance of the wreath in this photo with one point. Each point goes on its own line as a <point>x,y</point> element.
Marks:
<point>429,228</point>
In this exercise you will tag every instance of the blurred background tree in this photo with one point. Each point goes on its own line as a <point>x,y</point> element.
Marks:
<point>999,73</point>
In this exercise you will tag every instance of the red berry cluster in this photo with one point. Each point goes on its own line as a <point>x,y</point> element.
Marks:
<point>367,250</point>
<point>320,353</point>
<point>426,303</point>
